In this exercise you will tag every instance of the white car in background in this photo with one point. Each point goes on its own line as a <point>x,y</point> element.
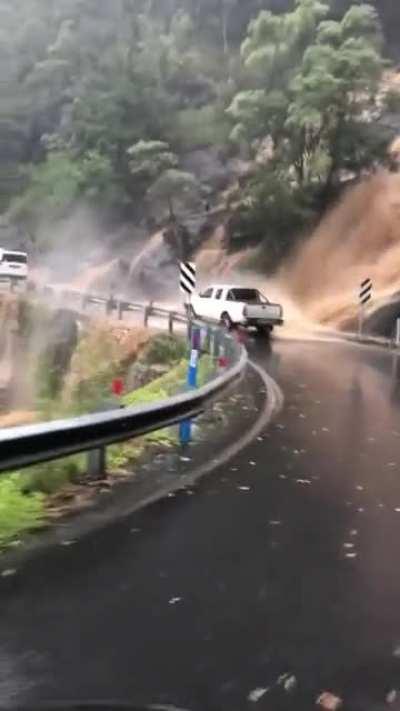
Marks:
<point>13,265</point>
<point>237,306</point>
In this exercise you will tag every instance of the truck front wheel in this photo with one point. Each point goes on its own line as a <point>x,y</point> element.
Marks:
<point>226,321</point>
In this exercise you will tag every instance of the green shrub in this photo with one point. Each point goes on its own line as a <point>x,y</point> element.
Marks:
<point>195,128</point>
<point>19,512</point>
<point>49,477</point>
<point>164,349</point>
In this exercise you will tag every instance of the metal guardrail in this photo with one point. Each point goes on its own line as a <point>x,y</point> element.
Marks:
<point>34,444</point>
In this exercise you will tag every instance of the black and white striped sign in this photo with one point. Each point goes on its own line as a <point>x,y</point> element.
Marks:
<point>365,292</point>
<point>188,277</point>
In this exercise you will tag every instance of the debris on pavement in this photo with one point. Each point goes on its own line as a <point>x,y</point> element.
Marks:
<point>329,701</point>
<point>305,482</point>
<point>288,681</point>
<point>359,487</point>
<point>348,545</point>
<point>175,600</point>
<point>252,463</point>
<point>391,696</point>
<point>354,532</point>
<point>351,555</point>
<point>8,573</point>
<point>67,544</point>
<point>185,459</point>
<point>257,694</point>
<point>244,488</point>
<point>275,523</point>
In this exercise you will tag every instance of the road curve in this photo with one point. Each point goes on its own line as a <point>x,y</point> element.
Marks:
<point>283,562</point>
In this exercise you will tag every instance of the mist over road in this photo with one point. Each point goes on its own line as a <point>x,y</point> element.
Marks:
<point>284,561</point>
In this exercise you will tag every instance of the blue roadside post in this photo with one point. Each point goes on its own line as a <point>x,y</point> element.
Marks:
<point>185,427</point>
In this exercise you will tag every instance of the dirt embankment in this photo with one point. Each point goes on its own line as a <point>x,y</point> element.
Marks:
<point>358,239</point>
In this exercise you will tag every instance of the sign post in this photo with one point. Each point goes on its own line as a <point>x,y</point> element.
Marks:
<point>365,296</point>
<point>185,427</point>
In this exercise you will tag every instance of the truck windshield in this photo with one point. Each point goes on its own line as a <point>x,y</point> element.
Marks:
<point>250,296</point>
<point>16,258</point>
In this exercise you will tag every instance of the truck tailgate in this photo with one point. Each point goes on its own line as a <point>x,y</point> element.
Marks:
<point>264,312</point>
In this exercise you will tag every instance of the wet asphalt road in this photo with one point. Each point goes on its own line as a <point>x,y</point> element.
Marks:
<point>285,561</point>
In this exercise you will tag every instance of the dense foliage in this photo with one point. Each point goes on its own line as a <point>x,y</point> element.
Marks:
<point>102,100</point>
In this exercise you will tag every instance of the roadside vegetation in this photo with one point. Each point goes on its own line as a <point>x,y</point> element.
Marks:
<point>152,367</point>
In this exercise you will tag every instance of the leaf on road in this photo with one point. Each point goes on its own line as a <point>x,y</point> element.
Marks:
<point>329,701</point>
<point>257,694</point>
<point>8,573</point>
<point>288,681</point>
<point>175,600</point>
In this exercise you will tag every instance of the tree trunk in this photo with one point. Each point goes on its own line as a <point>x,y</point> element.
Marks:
<point>224,26</point>
<point>171,208</point>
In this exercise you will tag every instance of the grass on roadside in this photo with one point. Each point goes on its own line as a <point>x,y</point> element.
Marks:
<point>19,512</point>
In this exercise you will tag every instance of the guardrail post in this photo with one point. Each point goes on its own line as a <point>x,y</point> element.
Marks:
<point>120,310</point>
<point>96,463</point>
<point>110,306</point>
<point>147,313</point>
<point>397,341</point>
<point>216,344</point>
<point>171,323</point>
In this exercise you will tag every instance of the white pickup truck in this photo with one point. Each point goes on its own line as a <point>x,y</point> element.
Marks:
<point>237,305</point>
<point>13,265</point>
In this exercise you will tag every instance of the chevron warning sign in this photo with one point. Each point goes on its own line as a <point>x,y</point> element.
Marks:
<point>365,292</point>
<point>188,277</point>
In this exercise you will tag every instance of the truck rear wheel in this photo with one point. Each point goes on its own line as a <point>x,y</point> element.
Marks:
<point>265,331</point>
